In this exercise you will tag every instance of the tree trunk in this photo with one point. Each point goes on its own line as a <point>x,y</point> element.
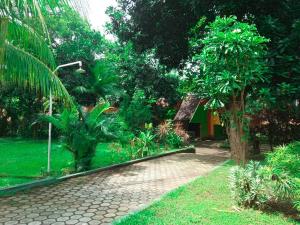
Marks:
<point>236,135</point>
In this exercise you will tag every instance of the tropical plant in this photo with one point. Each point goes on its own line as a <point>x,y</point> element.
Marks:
<point>232,60</point>
<point>283,164</point>
<point>164,128</point>
<point>25,54</point>
<point>102,82</point>
<point>248,186</point>
<point>136,112</point>
<point>82,130</point>
<point>258,186</point>
<point>171,135</point>
<point>143,144</point>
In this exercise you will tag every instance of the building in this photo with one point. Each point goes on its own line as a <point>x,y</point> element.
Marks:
<point>198,121</point>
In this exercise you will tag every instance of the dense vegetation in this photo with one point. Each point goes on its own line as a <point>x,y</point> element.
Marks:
<point>155,24</point>
<point>240,57</point>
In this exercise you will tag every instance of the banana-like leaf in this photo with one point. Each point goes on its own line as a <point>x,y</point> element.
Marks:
<point>93,117</point>
<point>55,120</point>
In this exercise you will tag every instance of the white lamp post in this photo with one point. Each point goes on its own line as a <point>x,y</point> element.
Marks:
<point>80,70</point>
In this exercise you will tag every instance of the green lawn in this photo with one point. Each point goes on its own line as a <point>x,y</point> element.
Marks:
<point>204,201</point>
<point>28,158</point>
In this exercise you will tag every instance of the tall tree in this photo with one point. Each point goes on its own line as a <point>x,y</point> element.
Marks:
<point>165,25</point>
<point>73,39</point>
<point>231,61</point>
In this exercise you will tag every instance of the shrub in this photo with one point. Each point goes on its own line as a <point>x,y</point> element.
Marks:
<point>284,162</point>
<point>143,144</point>
<point>81,132</point>
<point>172,135</point>
<point>286,159</point>
<point>257,186</point>
<point>248,186</point>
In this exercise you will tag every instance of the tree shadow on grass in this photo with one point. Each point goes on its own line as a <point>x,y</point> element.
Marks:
<point>285,208</point>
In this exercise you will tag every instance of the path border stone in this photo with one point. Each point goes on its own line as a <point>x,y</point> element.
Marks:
<point>8,191</point>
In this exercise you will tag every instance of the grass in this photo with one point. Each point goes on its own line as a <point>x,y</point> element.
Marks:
<point>206,201</point>
<point>25,160</point>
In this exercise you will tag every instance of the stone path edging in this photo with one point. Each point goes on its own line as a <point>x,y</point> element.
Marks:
<point>53,180</point>
<point>104,197</point>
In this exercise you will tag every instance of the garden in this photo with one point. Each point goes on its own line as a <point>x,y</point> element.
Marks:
<point>159,76</point>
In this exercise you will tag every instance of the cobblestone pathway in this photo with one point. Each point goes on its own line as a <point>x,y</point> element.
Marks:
<point>105,196</point>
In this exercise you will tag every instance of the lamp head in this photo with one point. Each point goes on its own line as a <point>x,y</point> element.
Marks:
<point>80,71</point>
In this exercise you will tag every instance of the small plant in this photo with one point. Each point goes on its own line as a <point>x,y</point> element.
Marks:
<point>81,132</point>
<point>259,186</point>
<point>143,144</point>
<point>164,129</point>
<point>180,131</point>
<point>248,186</point>
<point>284,167</point>
<point>172,135</point>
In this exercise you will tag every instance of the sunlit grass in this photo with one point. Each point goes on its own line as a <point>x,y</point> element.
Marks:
<point>24,160</point>
<point>204,201</point>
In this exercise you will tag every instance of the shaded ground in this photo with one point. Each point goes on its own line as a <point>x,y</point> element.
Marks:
<point>102,197</point>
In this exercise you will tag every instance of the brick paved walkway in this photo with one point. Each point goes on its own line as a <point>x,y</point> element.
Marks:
<point>102,197</point>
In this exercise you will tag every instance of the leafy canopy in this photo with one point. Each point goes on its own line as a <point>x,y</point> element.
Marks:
<point>231,60</point>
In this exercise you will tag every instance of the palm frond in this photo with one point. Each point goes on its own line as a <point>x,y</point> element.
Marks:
<point>25,37</point>
<point>26,70</point>
<point>34,8</point>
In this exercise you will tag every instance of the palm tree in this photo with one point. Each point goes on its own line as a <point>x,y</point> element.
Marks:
<point>26,58</point>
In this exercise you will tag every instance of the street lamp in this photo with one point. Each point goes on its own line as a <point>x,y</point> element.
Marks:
<point>79,70</point>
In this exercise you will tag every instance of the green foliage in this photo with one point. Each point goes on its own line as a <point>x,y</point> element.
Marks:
<point>18,112</point>
<point>260,186</point>
<point>232,59</point>
<point>285,161</point>
<point>144,144</point>
<point>150,24</point>
<point>27,45</point>
<point>276,104</point>
<point>73,39</point>
<point>143,72</point>
<point>137,112</point>
<point>170,135</point>
<point>248,186</point>
<point>174,140</point>
<point>81,132</point>
<point>101,83</point>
